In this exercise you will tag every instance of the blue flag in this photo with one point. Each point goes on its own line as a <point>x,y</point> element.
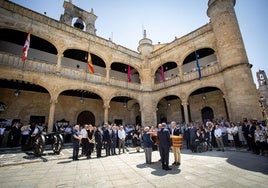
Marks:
<point>197,65</point>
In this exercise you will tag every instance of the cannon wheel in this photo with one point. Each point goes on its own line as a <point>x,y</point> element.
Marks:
<point>39,145</point>
<point>57,143</point>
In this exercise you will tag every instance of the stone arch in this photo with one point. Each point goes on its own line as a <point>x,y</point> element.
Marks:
<point>86,117</point>
<point>39,45</point>
<point>124,93</point>
<point>195,87</point>
<point>167,66</point>
<point>77,59</point>
<point>102,55</point>
<point>89,89</point>
<point>212,97</point>
<point>29,80</point>
<point>120,71</point>
<point>169,109</point>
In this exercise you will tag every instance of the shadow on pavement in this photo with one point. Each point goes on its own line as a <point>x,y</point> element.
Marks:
<point>65,162</point>
<point>158,171</point>
<point>243,160</point>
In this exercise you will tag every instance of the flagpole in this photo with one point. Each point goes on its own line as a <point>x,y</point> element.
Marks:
<point>197,65</point>
<point>162,72</point>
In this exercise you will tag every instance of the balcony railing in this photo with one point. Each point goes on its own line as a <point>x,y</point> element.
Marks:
<point>78,74</point>
<point>45,67</point>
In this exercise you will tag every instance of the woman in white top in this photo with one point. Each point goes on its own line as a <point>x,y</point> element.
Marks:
<point>235,134</point>
<point>230,134</point>
<point>25,134</point>
<point>260,139</point>
<point>241,137</point>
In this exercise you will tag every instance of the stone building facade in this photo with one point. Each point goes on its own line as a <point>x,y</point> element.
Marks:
<point>54,83</point>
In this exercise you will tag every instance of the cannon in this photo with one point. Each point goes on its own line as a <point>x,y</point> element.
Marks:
<point>39,142</point>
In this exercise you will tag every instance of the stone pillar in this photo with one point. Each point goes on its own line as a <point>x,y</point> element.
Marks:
<point>51,114</point>
<point>148,111</point>
<point>185,108</point>
<point>180,73</point>
<point>59,58</point>
<point>106,107</point>
<point>90,22</point>
<point>108,69</point>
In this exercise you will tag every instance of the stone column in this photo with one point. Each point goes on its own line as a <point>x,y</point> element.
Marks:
<point>108,74</point>
<point>51,114</point>
<point>148,111</point>
<point>185,108</point>
<point>106,107</point>
<point>59,58</point>
<point>180,73</point>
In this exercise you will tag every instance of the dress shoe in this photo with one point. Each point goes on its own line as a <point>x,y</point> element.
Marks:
<point>167,168</point>
<point>177,164</point>
<point>174,163</point>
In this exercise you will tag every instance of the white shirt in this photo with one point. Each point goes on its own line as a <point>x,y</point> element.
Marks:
<point>25,130</point>
<point>68,130</point>
<point>217,132</point>
<point>2,130</point>
<point>84,133</point>
<point>121,134</point>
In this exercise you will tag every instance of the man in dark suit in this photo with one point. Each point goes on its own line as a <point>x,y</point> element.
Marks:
<point>192,136</point>
<point>98,140</point>
<point>164,145</point>
<point>108,135</point>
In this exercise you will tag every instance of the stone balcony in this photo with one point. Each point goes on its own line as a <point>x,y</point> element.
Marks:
<point>14,61</point>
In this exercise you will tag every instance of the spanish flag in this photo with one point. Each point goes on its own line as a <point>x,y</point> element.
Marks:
<point>26,48</point>
<point>89,64</point>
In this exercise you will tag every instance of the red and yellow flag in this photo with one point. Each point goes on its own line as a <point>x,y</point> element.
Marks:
<point>26,48</point>
<point>89,64</point>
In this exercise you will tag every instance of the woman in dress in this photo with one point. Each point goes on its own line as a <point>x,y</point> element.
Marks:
<point>230,134</point>
<point>90,134</point>
<point>241,136</point>
<point>235,134</point>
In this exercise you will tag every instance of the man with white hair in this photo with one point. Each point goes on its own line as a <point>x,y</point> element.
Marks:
<point>76,142</point>
<point>148,145</point>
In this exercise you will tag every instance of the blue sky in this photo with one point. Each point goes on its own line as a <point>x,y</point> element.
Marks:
<point>123,21</point>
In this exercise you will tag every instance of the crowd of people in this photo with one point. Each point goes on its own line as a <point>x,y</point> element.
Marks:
<point>249,133</point>
<point>114,139</point>
<point>19,134</point>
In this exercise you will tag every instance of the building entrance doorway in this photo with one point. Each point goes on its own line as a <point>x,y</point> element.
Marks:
<point>86,117</point>
<point>207,113</point>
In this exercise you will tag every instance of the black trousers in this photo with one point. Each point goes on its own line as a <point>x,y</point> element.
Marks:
<point>98,149</point>
<point>164,153</point>
<point>75,152</point>
<point>108,148</point>
<point>85,147</point>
